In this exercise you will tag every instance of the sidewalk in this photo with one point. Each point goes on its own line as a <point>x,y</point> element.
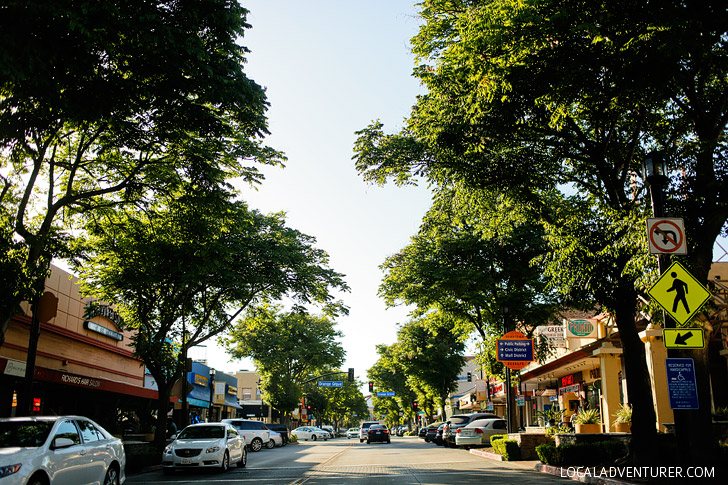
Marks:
<point>551,470</point>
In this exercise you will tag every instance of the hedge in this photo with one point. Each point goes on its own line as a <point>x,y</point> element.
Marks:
<point>581,454</point>
<point>508,449</point>
<point>497,437</point>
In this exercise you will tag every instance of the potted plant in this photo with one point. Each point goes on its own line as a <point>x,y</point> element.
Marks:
<point>587,421</point>
<point>624,419</point>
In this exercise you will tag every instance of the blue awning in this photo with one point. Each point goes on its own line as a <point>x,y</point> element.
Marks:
<point>232,401</point>
<point>200,393</point>
<point>198,402</point>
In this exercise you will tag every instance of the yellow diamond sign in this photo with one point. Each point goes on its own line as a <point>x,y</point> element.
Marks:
<point>679,293</point>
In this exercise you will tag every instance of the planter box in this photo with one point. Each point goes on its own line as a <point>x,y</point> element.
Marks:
<point>623,427</point>
<point>588,428</point>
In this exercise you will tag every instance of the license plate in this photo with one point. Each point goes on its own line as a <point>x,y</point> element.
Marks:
<point>186,461</point>
<point>379,432</point>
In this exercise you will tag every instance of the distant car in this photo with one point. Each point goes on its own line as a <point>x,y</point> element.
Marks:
<point>478,432</point>
<point>402,430</point>
<point>378,432</point>
<point>205,445</point>
<point>364,428</point>
<point>431,431</point>
<point>310,433</point>
<point>438,439</point>
<point>256,433</point>
<point>458,421</point>
<point>330,429</point>
<point>352,433</point>
<point>275,440</point>
<point>41,450</point>
<point>281,429</point>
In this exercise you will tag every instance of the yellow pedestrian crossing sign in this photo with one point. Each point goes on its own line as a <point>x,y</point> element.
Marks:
<point>679,293</point>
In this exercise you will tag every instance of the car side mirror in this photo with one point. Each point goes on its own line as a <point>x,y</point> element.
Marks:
<point>60,442</point>
<point>173,437</point>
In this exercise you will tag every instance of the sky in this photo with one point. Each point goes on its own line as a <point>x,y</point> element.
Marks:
<point>330,67</point>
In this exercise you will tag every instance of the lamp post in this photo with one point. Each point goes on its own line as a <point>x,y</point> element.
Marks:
<point>510,401</point>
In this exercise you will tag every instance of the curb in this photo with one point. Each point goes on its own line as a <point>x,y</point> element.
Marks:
<point>558,471</point>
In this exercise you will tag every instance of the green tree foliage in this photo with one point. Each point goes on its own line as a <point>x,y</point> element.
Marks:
<point>529,98</point>
<point>388,374</point>
<point>287,347</point>
<point>431,356</point>
<point>104,103</point>
<point>194,264</point>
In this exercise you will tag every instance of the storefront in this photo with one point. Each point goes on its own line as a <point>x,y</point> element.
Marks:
<point>84,362</point>
<point>225,396</point>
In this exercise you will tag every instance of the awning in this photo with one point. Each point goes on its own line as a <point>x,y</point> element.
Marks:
<point>200,393</point>
<point>198,402</point>
<point>232,401</point>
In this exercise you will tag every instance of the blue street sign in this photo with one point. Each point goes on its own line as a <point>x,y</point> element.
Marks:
<point>510,350</point>
<point>385,394</point>
<point>331,383</point>
<point>681,384</point>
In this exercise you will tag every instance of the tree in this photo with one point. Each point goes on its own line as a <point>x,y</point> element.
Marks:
<point>287,348</point>
<point>431,355</point>
<point>106,103</point>
<point>181,272</point>
<point>531,98</point>
<point>389,374</point>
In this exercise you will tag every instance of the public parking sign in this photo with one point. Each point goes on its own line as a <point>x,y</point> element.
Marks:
<point>515,350</point>
<point>681,383</point>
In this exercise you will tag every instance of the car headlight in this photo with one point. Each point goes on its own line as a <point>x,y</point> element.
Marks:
<point>212,449</point>
<point>168,450</point>
<point>9,470</point>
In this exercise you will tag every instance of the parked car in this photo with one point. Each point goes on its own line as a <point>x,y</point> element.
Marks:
<point>280,429</point>
<point>479,431</point>
<point>310,433</point>
<point>275,440</point>
<point>378,432</point>
<point>431,431</point>
<point>330,429</point>
<point>458,421</point>
<point>352,433</point>
<point>59,449</point>
<point>205,445</point>
<point>402,430</point>
<point>364,428</point>
<point>438,439</point>
<point>256,433</point>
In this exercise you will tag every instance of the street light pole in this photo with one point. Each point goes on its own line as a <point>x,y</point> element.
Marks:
<point>510,401</point>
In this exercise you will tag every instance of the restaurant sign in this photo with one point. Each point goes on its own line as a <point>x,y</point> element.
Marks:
<point>581,328</point>
<point>567,389</point>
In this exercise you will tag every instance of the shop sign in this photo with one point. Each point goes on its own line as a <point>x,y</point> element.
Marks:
<point>571,379</point>
<point>554,335</point>
<point>232,390</point>
<point>520,401</point>
<point>496,389</point>
<point>36,404</point>
<point>489,406</point>
<point>15,368</point>
<point>95,327</point>
<point>581,328</point>
<point>94,309</point>
<point>595,373</point>
<point>200,380</point>
<point>80,381</point>
<point>567,389</point>
<point>544,392</point>
<point>553,398</point>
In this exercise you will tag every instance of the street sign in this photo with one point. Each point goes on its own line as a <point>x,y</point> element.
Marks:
<point>684,338</point>
<point>679,293</point>
<point>666,235</point>
<point>515,350</point>
<point>330,383</point>
<point>385,394</point>
<point>681,386</point>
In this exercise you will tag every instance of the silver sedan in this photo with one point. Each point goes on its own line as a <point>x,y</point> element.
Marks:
<point>53,450</point>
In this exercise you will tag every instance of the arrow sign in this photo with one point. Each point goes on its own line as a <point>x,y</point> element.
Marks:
<point>684,338</point>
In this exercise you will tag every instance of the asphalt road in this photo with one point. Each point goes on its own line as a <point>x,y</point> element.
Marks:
<point>407,460</point>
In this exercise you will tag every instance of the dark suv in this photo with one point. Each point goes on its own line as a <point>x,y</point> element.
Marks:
<point>280,428</point>
<point>458,421</point>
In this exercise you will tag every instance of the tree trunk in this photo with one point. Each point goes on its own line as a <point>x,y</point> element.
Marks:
<point>639,387</point>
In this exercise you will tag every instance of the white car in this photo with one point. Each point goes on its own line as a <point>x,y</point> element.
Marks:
<point>479,431</point>
<point>352,433</point>
<point>310,433</point>
<point>257,435</point>
<point>42,450</point>
<point>275,440</point>
<point>205,445</point>
<point>330,429</point>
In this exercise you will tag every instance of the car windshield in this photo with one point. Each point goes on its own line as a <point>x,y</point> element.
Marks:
<point>24,434</point>
<point>202,433</point>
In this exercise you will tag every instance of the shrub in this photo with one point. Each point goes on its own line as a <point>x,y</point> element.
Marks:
<point>508,449</point>
<point>586,416</point>
<point>293,439</point>
<point>139,457</point>
<point>547,454</point>
<point>497,437</point>
<point>624,414</point>
<point>589,454</point>
<point>552,430</point>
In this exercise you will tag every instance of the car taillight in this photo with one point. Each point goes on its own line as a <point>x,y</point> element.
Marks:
<point>478,430</point>
<point>371,431</point>
<point>458,431</point>
<point>386,431</point>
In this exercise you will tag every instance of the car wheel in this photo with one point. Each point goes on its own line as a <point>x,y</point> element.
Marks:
<point>361,441</point>
<point>369,442</point>
<point>112,476</point>
<point>225,462</point>
<point>271,444</point>
<point>313,437</point>
<point>38,479</point>
<point>388,441</point>
<point>243,459</point>
<point>256,444</point>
